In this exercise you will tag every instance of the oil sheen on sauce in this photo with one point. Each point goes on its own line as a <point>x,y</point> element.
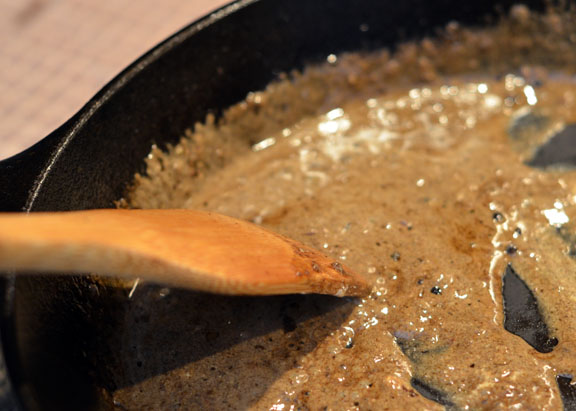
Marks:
<point>426,191</point>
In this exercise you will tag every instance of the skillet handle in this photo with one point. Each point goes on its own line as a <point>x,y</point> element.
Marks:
<point>19,173</point>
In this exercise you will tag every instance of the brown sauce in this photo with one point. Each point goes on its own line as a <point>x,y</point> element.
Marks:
<point>424,189</point>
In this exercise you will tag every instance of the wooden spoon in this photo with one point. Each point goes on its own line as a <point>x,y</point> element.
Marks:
<point>198,250</point>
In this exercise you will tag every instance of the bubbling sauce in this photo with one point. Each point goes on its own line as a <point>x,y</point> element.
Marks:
<point>424,189</point>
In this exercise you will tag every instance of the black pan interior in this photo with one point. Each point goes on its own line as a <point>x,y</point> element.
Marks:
<point>59,334</point>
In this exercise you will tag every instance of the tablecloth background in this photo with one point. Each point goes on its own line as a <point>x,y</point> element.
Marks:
<point>56,54</point>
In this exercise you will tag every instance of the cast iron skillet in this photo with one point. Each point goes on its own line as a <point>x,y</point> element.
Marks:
<point>57,334</point>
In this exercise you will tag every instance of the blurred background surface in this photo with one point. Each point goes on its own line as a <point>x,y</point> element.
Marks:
<point>56,54</point>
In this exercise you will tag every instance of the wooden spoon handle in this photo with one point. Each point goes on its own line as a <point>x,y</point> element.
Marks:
<point>198,250</point>
<point>85,241</point>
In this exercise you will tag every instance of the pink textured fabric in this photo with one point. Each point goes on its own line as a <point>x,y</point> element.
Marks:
<point>56,54</point>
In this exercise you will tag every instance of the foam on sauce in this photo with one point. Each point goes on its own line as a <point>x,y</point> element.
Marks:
<point>425,190</point>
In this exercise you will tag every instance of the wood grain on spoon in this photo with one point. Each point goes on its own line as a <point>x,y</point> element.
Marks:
<point>197,250</point>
